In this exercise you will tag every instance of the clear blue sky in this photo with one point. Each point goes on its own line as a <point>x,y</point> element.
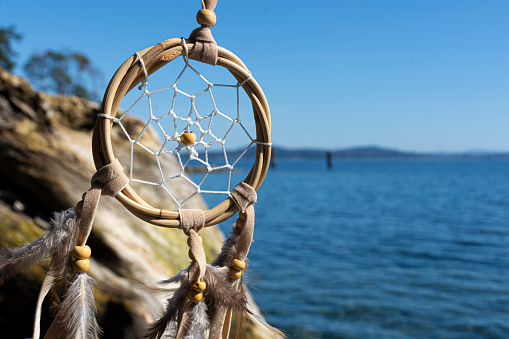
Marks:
<point>425,75</point>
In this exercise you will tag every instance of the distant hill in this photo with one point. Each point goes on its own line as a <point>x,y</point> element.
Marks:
<point>365,152</point>
<point>373,152</point>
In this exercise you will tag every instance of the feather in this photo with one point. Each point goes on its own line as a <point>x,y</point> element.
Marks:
<point>177,278</point>
<point>220,291</point>
<point>221,294</point>
<point>198,322</point>
<point>18,259</point>
<point>62,254</point>
<point>62,260</point>
<point>170,315</point>
<point>240,320</point>
<point>277,332</point>
<point>229,249</point>
<point>77,314</point>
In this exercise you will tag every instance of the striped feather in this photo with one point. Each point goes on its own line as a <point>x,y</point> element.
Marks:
<point>77,314</point>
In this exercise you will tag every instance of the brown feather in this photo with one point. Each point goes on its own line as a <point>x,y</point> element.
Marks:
<point>228,250</point>
<point>221,292</point>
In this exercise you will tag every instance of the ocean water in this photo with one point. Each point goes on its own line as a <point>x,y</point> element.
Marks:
<point>383,249</point>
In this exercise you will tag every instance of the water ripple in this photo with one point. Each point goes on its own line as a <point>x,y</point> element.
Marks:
<point>384,249</point>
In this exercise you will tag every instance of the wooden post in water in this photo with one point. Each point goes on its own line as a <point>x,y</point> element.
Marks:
<point>328,155</point>
<point>273,158</point>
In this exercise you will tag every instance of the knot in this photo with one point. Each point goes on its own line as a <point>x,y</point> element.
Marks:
<point>191,220</point>
<point>111,177</point>
<point>205,47</point>
<point>243,195</point>
<point>108,180</point>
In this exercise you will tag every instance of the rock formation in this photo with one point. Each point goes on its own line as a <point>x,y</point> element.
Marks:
<point>45,166</point>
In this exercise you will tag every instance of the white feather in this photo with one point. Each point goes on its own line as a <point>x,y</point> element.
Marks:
<point>198,323</point>
<point>77,312</point>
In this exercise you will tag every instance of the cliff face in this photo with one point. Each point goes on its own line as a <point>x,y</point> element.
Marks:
<point>45,166</point>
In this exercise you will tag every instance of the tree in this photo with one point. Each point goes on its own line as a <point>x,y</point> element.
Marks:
<point>69,73</point>
<point>7,36</point>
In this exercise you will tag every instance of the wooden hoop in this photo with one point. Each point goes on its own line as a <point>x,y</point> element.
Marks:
<point>131,73</point>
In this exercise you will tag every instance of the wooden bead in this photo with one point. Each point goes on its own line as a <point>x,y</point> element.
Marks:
<point>188,138</point>
<point>199,286</point>
<point>206,17</point>
<point>240,223</point>
<point>239,265</point>
<point>189,240</point>
<point>79,207</point>
<point>235,275</point>
<point>81,265</point>
<point>243,216</point>
<point>81,252</point>
<point>195,296</point>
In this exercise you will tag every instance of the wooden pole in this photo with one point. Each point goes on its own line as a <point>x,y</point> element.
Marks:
<point>273,163</point>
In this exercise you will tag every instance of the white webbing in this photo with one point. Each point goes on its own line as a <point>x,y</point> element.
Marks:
<point>193,154</point>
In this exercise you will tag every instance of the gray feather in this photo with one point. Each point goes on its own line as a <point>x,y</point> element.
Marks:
<point>77,314</point>
<point>19,259</point>
<point>229,249</point>
<point>177,278</point>
<point>220,291</point>
<point>198,322</point>
<point>168,320</point>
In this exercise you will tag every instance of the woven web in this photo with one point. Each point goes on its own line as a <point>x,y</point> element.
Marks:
<point>174,122</point>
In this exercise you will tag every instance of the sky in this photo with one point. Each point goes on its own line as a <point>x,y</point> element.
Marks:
<point>416,75</point>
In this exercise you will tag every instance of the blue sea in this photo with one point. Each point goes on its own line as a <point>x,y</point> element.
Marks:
<point>383,249</point>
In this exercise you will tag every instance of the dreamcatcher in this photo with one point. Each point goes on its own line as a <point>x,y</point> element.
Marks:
<point>207,294</point>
